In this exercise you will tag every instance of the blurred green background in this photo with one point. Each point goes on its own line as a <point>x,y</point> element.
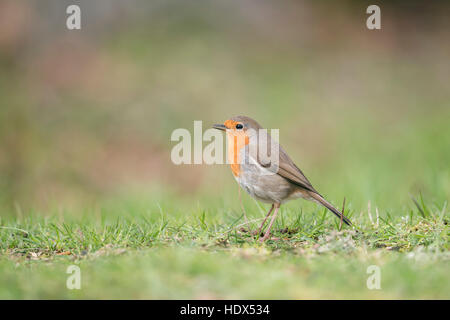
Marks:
<point>86,115</point>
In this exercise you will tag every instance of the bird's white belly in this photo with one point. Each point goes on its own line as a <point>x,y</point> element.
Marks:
<point>264,185</point>
<point>256,191</point>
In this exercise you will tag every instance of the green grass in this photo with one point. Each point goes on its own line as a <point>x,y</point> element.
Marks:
<point>171,253</point>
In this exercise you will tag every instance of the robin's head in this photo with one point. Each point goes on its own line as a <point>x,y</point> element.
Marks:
<point>239,126</point>
<point>241,131</point>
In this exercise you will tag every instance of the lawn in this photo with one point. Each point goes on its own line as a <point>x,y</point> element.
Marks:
<point>157,254</point>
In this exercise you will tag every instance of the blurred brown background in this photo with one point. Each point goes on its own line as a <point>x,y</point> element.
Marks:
<point>87,114</point>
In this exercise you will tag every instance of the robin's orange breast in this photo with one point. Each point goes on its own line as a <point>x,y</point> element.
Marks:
<point>236,141</point>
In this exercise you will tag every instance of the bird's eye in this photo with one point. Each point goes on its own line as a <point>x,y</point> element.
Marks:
<point>239,126</point>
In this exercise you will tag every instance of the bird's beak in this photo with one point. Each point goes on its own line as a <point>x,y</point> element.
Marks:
<point>219,127</point>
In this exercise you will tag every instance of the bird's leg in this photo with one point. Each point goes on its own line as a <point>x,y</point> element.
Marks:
<point>266,235</point>
<point>265,219</point>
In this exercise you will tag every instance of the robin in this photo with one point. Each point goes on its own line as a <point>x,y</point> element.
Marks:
<point>276,181</point>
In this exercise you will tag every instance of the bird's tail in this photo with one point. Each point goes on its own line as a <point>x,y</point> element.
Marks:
<point>317,197</point>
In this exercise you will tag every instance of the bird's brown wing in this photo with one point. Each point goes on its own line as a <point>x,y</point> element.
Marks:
<point>287,169</point>
<point>291,172</point>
